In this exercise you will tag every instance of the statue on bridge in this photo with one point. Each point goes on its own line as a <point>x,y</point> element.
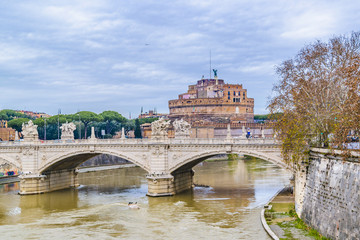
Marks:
<point>182,128</point>
<point>159,128</point>
<point>67,131</point>
<point>29,131</point>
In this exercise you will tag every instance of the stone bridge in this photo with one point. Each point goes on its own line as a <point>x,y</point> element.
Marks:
<point>52,165</point>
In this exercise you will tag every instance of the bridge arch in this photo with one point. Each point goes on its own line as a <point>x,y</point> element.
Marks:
<point>72,159</point>
<point>192,161</point>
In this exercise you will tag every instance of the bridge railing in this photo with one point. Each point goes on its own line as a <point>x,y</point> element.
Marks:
<point>146,141</point>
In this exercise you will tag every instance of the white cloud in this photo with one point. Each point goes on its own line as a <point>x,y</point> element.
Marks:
<point>311,23</point>
<point>264,68</point>
<point>12,52</point>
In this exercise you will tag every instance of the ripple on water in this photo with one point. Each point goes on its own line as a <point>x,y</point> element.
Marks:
<point>14,211</point>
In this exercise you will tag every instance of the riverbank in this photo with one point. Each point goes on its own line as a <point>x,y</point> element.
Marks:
<point>9,179</point>
<point>283,221</point>
<point>12,179</point>
<point>103,168</point>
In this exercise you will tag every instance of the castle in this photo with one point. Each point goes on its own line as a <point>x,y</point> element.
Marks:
<point>212,100</point>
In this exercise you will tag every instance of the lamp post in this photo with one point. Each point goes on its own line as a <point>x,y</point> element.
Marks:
<point>79,126</point>
<point>59,112</point>
<point>45,129</point>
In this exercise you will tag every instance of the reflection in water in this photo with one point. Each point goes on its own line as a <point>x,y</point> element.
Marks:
<point>228,209</point>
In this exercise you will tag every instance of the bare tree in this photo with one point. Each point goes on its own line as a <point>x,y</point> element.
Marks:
<point>318,95</point>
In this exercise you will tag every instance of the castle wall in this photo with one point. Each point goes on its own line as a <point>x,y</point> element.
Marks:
<point>213,98</point>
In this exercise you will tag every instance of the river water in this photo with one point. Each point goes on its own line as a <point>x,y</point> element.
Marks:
<point>228,209</point>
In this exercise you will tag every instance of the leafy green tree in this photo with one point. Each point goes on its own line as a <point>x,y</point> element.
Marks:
<point>39,122</point>
<point>261,117</point>
<point>17,123</point>
<point>52,127</point>
<point>128,126</point>
<point>86,117</point>
<point>113,121</point>
<point>3,116</point>
<point>147,120</point>
<point>137,131</point>
<point>8,114</point>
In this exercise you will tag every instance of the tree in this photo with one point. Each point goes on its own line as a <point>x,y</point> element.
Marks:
<point>113,121</point>
<point>147,120</point>
<point>17,123</point>
<point>8,114</point>
<point>318,96</point>
<point>86,118</point>
<point>137,131</point>
<point>3,116</point>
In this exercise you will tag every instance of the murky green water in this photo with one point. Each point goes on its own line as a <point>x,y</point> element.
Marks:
<point>229,209</point>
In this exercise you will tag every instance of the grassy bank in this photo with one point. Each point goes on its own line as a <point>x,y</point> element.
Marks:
<point>284,222</point>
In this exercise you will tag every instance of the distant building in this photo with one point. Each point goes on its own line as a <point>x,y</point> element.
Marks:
<point>212,100</point>
<point>152,114</point>
<point>146,130</point>
<point>3,124</point>
<point>34,114</point>
<point>211,105</point>
<point>7,134</point>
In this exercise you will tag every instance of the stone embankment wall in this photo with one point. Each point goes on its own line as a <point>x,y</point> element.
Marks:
<point>330,201</point>
<point>103,159</point>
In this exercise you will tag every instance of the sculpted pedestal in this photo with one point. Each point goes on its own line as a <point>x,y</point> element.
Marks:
<point>159,129</point>
<point>182,129</point>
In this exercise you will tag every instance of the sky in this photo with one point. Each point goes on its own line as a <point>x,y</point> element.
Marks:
<point>99,55</point>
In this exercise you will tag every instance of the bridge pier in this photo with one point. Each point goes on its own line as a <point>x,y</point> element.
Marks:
<point>169,184</point>
<point>52,181</point>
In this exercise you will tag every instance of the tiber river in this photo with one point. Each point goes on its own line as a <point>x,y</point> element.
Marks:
<point>229,209</point>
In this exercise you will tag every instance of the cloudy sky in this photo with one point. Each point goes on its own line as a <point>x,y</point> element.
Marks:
<point>123,55</point>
